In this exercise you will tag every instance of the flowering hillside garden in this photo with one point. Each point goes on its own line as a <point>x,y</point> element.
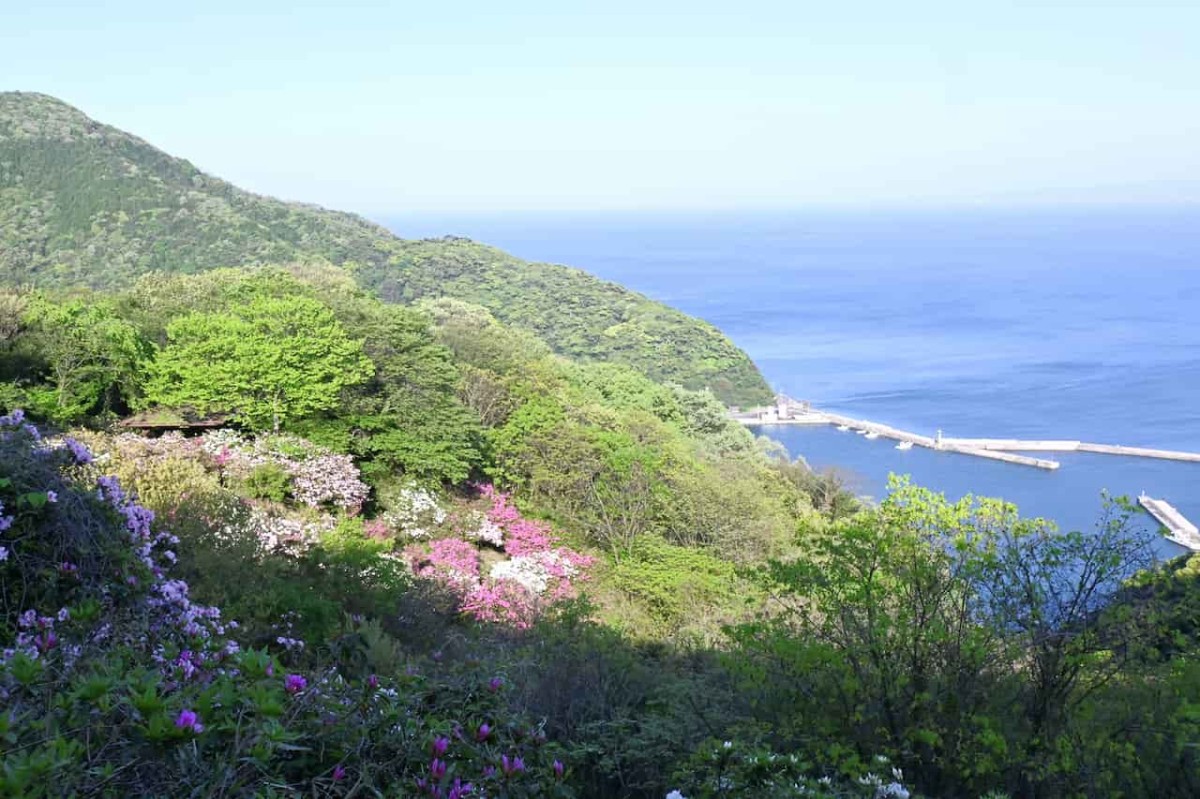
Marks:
<point>310,489</point>
<point>114,681</point>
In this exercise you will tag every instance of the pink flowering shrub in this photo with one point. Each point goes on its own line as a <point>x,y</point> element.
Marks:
<point>448,560</point>
<point>115,682</point>
<point>538,572</point>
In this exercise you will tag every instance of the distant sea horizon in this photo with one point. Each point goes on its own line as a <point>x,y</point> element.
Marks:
<point>1072,323</point>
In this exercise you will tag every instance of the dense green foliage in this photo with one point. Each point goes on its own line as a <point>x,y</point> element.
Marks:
<point>269,361</point>
<point>979,650</point>
<point>576,314</point>
<point>84,204</point>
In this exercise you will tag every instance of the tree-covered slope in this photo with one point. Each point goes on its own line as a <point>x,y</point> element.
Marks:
<point>82,203</point>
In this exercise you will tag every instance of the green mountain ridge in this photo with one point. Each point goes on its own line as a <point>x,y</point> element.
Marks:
<point>86,204</point>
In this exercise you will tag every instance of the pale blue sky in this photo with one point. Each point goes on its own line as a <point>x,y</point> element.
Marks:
<point>467,106</point>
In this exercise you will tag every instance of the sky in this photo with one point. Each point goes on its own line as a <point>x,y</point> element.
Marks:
<point>450,106</point>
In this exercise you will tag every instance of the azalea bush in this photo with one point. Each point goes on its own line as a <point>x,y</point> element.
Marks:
<point>409,510</point>
<point>284,465</point>
<point>530,570</point>
<point>116,682</point>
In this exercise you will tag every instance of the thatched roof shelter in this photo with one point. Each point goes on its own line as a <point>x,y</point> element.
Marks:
<point>164,419</point>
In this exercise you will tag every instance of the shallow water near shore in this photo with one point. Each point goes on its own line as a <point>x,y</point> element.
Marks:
<point>1080,324</point>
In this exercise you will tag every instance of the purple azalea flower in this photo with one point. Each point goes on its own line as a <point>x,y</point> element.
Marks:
<point>189,720</point>
<point>339,773</point>
<point>295,683</point>
<point>483,732</point>
<point>78,451</point>
<point>440,745</point>
<point>459,789</point>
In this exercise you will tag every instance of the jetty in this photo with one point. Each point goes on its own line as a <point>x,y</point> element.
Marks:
<point>790,412</point>
<point>1179,529</point>
<point>1020,445</point>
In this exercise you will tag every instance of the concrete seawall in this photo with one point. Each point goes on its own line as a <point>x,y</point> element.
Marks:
<point>1021,445</point>
<point>999,449</point>
<point>811,417</point>
<point>1179,529</point>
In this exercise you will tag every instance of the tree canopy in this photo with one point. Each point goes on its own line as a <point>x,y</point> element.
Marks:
<point>269,360</point>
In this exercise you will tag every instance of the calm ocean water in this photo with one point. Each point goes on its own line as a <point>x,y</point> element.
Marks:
<point>1039,324</point>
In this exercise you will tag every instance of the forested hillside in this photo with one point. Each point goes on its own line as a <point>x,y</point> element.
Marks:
<point>84,204</point>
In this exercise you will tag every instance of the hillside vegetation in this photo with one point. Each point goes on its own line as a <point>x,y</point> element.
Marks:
<point>264,533</point>
<point>456,559</point>
<point>85,204</point>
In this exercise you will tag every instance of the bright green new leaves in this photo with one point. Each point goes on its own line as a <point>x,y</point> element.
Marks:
<point>92,358</point>
<point>270,360</point>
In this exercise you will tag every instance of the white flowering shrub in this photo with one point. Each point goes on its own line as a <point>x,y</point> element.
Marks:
<point>286,535</point>
<point>318,477</point>
<point>413,512</point>
<point>737,770</point>
<point>536,571</point>
<point>524,570</point>
<point>332,479</point>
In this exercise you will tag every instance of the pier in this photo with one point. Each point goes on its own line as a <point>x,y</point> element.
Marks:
<point>1179,529</point>
<point>896,434</point>
<point>788,411</point>
<point>1010,444</point>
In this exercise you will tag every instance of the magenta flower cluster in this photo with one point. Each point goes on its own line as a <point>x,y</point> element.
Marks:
<point>189,721</point>
<point>538,572</point>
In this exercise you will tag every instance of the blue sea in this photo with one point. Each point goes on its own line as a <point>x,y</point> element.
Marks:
<point>1063,324</point>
